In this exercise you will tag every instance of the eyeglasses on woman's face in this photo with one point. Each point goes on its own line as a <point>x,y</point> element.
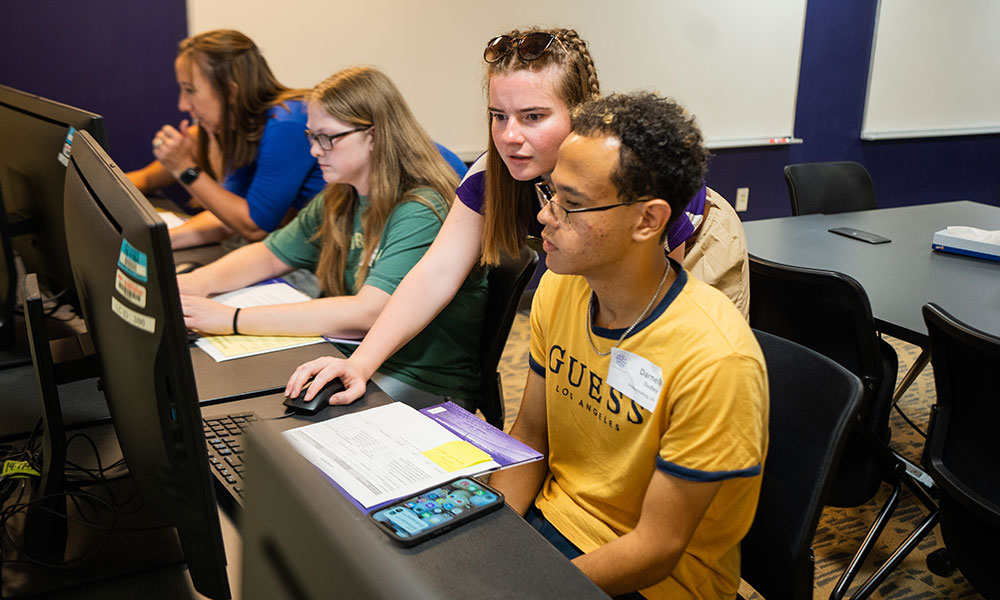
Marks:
<point>325,140</point>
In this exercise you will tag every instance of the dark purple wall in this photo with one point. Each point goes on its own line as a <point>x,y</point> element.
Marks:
<point>122,67</point>
<point>112,57</point>
<point>831,99</point>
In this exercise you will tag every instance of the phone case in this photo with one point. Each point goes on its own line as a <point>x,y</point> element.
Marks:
<point>857,234</point>
<point>436,510</point>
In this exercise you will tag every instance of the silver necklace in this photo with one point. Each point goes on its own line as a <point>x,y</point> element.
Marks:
<point>590,304</point>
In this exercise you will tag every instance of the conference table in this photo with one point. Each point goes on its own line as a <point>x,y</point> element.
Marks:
<point>900,276</point>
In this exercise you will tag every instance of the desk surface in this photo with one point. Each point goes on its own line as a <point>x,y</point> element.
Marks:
<point>243,377</point>
<point>253,375</point>
<point>498,555</point>
<point>901,276</point>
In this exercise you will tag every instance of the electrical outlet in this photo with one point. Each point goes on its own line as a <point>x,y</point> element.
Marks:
<point>742,197</point>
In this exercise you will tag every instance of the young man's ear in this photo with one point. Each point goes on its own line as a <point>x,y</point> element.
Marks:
<point>653,220</point>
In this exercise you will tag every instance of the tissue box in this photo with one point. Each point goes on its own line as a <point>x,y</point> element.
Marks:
<point>950,243</point>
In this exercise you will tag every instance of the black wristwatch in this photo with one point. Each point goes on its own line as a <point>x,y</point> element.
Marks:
<point>189,174</point>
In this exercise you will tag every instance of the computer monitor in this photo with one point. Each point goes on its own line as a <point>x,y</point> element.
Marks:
<point>33,159</point>
<point>124,277</point>
<point>303,539</point>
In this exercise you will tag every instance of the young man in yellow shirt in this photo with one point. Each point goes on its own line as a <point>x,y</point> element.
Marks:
<point>647,391</point>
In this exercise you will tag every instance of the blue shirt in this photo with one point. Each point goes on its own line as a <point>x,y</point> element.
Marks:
<point>283,175</point>
<point>453,160</point>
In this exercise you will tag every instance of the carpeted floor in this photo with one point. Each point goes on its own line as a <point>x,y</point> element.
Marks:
<point>840,530</point>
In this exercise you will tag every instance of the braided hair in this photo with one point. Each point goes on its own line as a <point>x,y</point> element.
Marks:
<point>508,205</point>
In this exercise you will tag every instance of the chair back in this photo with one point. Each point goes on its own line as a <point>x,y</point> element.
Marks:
<point>963,447</point>
<point>813,400</point>
<point>829,312</point>
<point>829,187</point>
<point>505,282</point>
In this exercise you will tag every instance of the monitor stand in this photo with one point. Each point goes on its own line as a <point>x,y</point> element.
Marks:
<point>11,354</point>
<point>126,540</point>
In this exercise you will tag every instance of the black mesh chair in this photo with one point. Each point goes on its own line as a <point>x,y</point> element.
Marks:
<point>813,401</point>
<point>963,447</point>
<point>829,312</point>
<point>829,187</point>
<point>505,283</point>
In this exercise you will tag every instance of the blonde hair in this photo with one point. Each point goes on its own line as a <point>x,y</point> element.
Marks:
<point>403,159</point>
<point>508,204</point>
<point>227,57</point>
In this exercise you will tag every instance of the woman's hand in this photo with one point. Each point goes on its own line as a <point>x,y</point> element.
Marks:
<point>207,316</point>
<point>192,284</point>
<point>176,149</point>
<point>321,371</point>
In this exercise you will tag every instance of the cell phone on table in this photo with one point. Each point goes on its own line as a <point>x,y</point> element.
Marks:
<point>436,510</point>
<point>857,234</point>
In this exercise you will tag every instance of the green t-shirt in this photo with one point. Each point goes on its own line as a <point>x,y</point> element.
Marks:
<point>441,359</point>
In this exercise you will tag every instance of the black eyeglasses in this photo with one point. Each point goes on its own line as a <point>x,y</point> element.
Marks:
<point>546,197</point>
<point>325,141</point>
<point>529,47</point>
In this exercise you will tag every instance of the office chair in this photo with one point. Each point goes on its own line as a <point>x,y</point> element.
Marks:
<point>829,187</point>
<point>962,446</point>
<point>813,400</point>
<point>829,312</point>
<point>505,283</point>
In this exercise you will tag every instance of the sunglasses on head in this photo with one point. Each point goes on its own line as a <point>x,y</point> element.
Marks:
<point>529,47</point>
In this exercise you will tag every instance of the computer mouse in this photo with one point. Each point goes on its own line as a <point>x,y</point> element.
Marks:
<point>186,267</point>
<point>319,401</point>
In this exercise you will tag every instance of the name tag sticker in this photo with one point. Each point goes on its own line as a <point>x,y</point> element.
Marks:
<point>130,290</point>
<point>133,318</point>
<point>635,377</point>
<point>132,261</point>
<point>67,146</point>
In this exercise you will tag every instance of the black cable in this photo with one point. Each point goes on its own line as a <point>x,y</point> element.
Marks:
<point>9,511</point>
<point>909,421</point>
<point>94,511</point>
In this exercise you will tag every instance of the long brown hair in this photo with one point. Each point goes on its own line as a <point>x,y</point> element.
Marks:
<point>403,159</point>
<point>231,62</point>
<point>508,204</point>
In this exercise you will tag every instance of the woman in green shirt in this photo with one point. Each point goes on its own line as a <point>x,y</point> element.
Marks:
<point>385,200</point>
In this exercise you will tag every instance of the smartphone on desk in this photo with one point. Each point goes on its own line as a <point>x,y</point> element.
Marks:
<point>436,510</point>
<point>857,234</point>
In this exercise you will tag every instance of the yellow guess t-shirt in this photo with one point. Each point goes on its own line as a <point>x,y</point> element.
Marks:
<point>708,423</point>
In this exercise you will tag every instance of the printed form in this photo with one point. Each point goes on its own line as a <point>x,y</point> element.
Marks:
<point>385,453</point>
<point>228,347</point>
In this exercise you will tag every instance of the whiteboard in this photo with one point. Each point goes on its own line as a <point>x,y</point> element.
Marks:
<point>935,69</point>
<point>733,63</point>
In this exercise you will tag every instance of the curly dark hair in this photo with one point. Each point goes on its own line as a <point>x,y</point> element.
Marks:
<point>661,155</point>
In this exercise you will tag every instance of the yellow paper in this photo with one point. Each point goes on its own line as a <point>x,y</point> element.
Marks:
<point>241,345</point>
<point>457,455</point>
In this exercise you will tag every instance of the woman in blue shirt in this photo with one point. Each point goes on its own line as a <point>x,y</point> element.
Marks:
<point>243,154</point>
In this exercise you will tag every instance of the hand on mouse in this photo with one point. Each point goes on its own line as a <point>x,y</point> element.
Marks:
<point>321,371</point>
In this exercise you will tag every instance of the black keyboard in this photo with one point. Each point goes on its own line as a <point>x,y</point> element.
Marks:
<point>224,436</point>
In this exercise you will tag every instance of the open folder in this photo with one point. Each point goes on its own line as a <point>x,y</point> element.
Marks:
<point>388,452</point>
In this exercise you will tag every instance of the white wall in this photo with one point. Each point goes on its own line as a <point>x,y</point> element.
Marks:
<point>733,63</point>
